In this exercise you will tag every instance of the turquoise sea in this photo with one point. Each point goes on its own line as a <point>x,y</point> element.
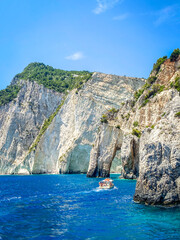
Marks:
<point>72,207</point>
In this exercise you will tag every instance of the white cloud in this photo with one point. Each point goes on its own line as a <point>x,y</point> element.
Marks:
<point>76,56</point>
<point>165,14</point>
<point>121,17</point>
<point>169,13</point>
<point>103,5</point>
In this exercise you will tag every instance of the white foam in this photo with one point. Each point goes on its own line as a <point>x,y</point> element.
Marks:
<point>98,190</point>
<point>13,198</point>
<point>9,199</point>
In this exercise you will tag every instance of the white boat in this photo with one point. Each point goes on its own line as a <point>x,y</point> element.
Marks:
<point>106,184</point>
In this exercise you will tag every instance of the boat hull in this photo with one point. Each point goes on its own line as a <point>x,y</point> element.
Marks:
<point>106,187</point>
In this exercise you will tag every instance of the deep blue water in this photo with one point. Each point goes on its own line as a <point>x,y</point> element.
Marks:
<point>72,207</point>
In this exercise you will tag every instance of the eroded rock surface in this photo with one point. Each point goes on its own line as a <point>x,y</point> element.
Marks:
<point>130,157</point>
<point>149,140</point>
<point>66,145</point>
<point>20,122</point>
<point>158,182</point>
<point>107,144</point>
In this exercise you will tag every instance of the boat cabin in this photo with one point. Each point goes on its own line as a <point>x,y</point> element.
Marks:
<point>106,183</point>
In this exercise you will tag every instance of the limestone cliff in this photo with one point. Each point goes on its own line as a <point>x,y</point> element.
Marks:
<point>148,138</point>
<point>65,147</point>
<point>108,142</point>
<point>20,122</point>
<point>66,143</point>
<point>159,174</point>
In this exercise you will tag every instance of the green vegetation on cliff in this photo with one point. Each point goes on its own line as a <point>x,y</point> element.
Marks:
<point>176,83</point>
<point>177,114</point>
<point>175,54</point>
<point>56,79</point>
<point>45,125</point>
<point>136,132</point>
<point>8,94</point>
<point>140,91</point>
<point>156,88</point>
<point>104,119</point>
<point>135,124</point>
<point>158,63</point>
<point>113,110</point>
<point>150,89</point>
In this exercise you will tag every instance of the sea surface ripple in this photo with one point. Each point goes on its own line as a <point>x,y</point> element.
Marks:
<point>73,207</point>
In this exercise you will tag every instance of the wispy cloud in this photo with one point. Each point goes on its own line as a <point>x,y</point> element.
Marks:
<point>169,13</point>
<point>121,17</point>
<point>104,5</point>
<point>75,56</point>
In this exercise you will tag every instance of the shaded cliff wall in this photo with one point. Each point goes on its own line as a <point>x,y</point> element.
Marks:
<point>159,179</point>
<point>108,142</point>
<point>21,120</point>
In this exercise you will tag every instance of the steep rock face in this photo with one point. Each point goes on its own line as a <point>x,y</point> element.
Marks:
<point>146,116</point>
<point>107,143</point>
<point>114,151</point>
<point>116,166</point>
<point>65,147</point>
<point>130,157</point>
<point>112,90</point>
<point>154,156</point>
<point>20,121</point>
<point>168,70</point>
<point>159,179</point>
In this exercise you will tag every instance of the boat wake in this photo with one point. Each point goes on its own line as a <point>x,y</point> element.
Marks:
<point>103,189</point>
<point>9,199</point>
<point>98,190</point>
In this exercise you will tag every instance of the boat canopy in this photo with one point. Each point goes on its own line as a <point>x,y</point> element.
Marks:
<point>107,180</point>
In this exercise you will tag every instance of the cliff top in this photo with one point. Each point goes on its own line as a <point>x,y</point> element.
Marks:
<point>63,81</point>
<point>52,78</point>
<point>164,75</point>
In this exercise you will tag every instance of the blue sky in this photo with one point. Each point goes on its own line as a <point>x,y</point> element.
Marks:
<point>122,37</point>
